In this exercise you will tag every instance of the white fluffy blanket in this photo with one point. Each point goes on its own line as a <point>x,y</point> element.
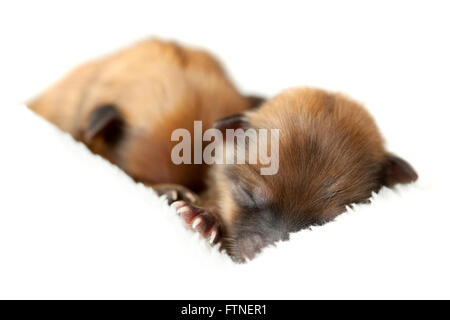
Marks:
<point>74,226</point>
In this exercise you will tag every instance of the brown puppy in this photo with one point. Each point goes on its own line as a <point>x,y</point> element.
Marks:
<point>126,106</point>
<point>331,155</point>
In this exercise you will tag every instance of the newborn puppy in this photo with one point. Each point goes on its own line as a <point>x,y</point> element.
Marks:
<point>331,155</point>
<point>126,106</point>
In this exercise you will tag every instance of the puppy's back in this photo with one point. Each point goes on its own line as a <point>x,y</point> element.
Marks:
<point>153,87</point>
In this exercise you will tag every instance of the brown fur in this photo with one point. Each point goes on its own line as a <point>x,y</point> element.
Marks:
<point>157,87</point>
<point>331,153</point>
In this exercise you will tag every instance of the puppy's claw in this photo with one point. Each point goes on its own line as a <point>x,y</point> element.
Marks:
<point>212,237</point>
<point>190,197</point>
<point>175,193</point>
<point>178,204</point>
<point>199,220</point>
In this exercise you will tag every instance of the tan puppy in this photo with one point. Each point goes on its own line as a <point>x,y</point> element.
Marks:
<point>331,155</point>
<point>126,106</point>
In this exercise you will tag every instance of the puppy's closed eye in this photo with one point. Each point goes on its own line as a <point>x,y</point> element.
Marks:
<point>243,196</point>
<point>253,197</point>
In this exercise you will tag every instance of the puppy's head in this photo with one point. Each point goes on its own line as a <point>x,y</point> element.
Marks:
<point>331,155</point>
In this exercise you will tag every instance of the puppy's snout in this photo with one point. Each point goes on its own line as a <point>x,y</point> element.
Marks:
<point>247,247</point>
<point>250,246</point>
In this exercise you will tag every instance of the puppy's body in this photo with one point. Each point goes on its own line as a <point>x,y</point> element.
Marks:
<point>144,93</point>
<point>126,106</point>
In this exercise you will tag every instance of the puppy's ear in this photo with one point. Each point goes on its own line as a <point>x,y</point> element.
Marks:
<point>237,121</point>
<point>396,170</point>
<point>104,122</point>
<point>256,101</point>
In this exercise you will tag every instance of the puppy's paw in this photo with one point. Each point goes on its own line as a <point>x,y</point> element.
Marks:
<point>199,220</point>
<point>175,192</point>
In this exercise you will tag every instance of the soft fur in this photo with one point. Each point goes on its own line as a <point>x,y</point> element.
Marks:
<point>125,107</point>
<point>155,87</point>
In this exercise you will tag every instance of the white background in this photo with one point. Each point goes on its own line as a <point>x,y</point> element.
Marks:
<point>391,55</point>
